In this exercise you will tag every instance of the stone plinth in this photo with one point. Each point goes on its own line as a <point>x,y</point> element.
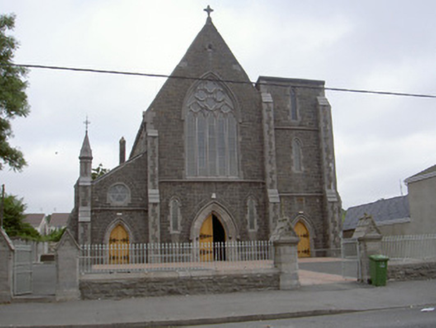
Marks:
<point>67,267</point>
<point>285,242</point>
<point>286,261</point>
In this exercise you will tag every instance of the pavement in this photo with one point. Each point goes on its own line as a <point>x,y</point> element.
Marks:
<point>190,310</point>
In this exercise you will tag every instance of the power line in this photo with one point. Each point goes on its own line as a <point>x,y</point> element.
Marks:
<point>90,70</point>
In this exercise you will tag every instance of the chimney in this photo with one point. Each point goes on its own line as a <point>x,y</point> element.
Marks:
<point>122,150</point>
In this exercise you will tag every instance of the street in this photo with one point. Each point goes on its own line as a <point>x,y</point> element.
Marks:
<point>402,317</point>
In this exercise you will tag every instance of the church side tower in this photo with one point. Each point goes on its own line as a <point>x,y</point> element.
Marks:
<point>84,186</point>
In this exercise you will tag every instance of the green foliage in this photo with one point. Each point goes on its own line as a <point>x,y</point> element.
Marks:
<point>13,220</point>
<point>54,236</point>
<point>98,171</point>
<point>13,99</point>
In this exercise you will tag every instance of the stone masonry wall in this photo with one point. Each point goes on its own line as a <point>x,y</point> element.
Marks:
<point>312,209</point>
<point>175,283</point>
<point>133,174</point>
<point>411,271</point>
<point>301,193</point>
<point>194,196</point>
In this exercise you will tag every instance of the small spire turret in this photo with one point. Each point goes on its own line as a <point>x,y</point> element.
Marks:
<point>85,156</point>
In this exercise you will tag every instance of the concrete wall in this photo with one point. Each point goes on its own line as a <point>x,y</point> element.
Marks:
<point>6,260</point>
<point>422,206</point>
<point>396,229</point>
<point>175,283</point>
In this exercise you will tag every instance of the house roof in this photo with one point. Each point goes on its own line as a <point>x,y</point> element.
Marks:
<point>59,219</point>
<point>427,173</point>
<point>383,211</point>
<point>34,219</point>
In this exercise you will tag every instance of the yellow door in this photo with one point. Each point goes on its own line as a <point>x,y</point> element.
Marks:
<point>119,246</point>
<point>206,240</point>
<point>304,244</point>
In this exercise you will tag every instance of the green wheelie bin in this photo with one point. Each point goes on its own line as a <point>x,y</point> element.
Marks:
<point>378,267</point>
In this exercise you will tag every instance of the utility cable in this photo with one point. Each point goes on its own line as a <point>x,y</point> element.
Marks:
<point>90,70</point>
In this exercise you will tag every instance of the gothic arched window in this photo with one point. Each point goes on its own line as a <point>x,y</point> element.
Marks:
<point>251,214</point>
<point>293,104</point>
<point>211,132</point>
<point>175,215</point>
<point>297,156</point>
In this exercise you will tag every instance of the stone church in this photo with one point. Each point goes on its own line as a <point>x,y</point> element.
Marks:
<point>218,158</point>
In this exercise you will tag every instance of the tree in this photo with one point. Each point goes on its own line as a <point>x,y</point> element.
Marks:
<point>54,235</point>
<point>13,99</point>
<point>13,219</point>
<point>98,171</point>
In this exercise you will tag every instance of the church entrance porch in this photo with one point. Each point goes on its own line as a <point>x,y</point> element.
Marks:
<point>304,244</point>
<point>225,229</point>
<point>211,233</point>
<point>119,245</point>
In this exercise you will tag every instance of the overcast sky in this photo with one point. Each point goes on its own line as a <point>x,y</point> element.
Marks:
<point>374,45</point>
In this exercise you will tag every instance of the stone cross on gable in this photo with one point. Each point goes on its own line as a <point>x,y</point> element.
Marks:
<point>86,122</point>
<point>208,10</point>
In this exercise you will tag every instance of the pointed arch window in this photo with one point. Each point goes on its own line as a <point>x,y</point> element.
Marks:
<point>211,132</point>
<point>251,214</point>
<point>297,156</point>
<point>293,104</point>
<point>175,215</point>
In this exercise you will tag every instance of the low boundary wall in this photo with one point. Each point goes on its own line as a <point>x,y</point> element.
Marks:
<point>125,285</point>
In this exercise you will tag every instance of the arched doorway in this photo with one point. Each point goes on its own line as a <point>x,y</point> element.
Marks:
<point>119,245</point>
<point>304,244</point>
<point>211,233</point>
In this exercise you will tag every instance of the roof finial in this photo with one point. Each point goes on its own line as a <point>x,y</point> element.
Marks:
<point>208,10</point>
<point>86,122</point>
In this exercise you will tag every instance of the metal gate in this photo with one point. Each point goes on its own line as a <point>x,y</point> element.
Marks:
<point>22,269</point>
<point>350,259</point>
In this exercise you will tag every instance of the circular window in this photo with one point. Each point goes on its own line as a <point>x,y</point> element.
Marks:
<point>118,194</point>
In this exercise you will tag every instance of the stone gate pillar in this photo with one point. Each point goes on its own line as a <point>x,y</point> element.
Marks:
<point>67,268</point>
<point>369,243</point>
<point>285,242</point>
<point>6,266</point>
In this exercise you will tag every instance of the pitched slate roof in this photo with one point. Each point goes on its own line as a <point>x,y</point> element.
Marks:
<point>427,173</point>
<point>34,219</point>
<point>383,211</point>
<point>59,219</point>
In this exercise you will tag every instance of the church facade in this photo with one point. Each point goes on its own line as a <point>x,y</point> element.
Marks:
<point>218,158</point>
